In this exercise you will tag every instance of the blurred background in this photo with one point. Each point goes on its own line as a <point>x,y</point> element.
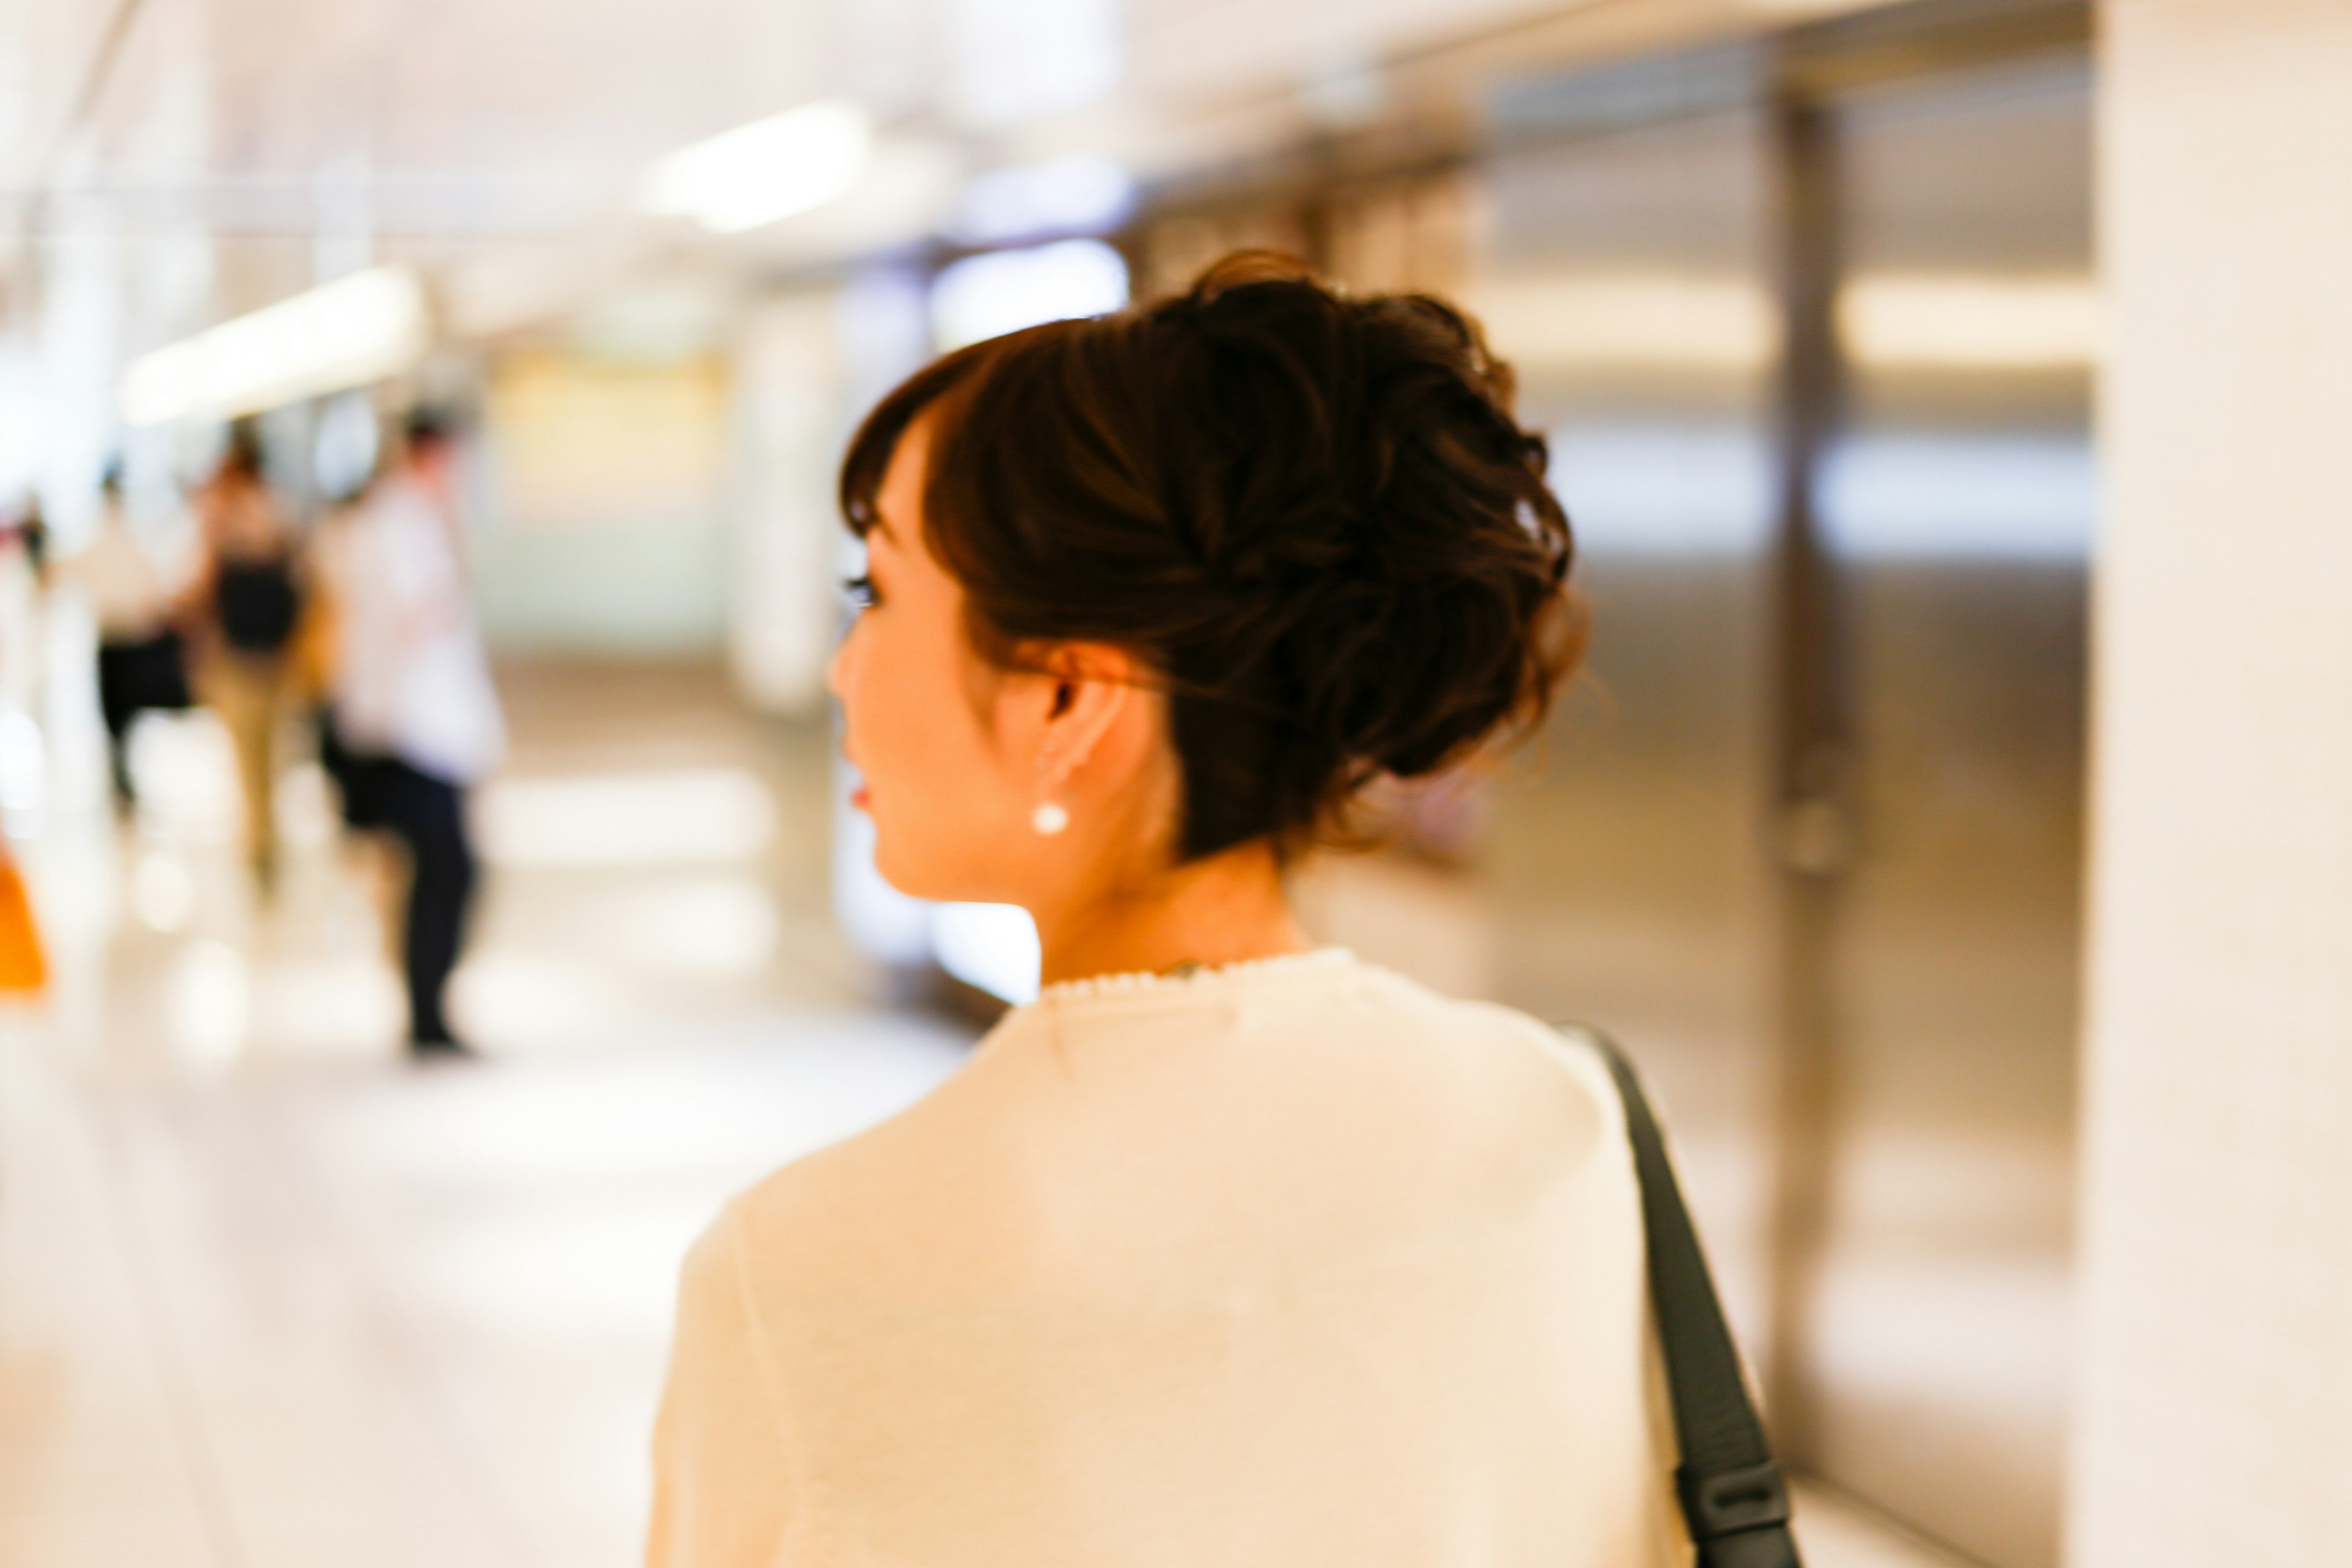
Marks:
<point>1801,291</point>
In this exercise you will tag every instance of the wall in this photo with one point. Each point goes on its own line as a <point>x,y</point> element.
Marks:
<point>601,527</point>
<point>2216,1420</point>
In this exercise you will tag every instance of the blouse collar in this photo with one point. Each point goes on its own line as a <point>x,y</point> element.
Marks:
<point>1188,976</point>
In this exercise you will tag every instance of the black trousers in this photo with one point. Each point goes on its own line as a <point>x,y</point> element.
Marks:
<point>427,814</point>
<point>135,678</point>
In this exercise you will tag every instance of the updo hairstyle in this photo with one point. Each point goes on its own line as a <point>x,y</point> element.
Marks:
<point>1311,514</point>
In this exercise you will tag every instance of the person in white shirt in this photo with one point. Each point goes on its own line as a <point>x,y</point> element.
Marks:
<point>413,718</point>
<point>1225,1252</point>
<point>141,666</point>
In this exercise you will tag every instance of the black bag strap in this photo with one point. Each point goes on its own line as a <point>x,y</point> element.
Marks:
<point>1732,1495</point>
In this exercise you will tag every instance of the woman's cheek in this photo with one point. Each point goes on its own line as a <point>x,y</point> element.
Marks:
<point>900,713</point>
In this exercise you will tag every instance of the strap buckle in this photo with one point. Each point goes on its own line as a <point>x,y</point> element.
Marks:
<point>1725,1502</point>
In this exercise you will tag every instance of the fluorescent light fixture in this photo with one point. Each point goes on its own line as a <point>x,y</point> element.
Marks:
<point>1630,320</point>
<point>1005,291</point>
<point>1968,321</point>
<point>1634,320</point>
<point>767,170</point>
<point>346,333</point>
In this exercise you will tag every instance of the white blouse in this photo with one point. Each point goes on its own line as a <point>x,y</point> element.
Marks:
<point>1288,1264</point>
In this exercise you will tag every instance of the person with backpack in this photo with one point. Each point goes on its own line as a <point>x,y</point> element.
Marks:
<point>241,613</point>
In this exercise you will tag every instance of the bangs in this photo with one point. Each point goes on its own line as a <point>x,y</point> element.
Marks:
<point>877,441</point>
<point>942,388</point>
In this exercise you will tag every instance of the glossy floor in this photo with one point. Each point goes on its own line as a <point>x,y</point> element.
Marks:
<point>270,1298</point>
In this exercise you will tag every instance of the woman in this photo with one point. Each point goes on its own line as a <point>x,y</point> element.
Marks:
<point>140,666</point>
<point>243,607</point>
<point>1225,1250</point>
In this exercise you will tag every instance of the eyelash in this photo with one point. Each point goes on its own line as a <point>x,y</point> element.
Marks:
<point>861,592</point>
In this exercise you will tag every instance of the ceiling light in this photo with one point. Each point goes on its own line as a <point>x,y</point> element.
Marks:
<point>1972,322</point>
<point>1630,320</point>
<point>1886,320</point>
<point>767,170</point>
<point>347,333</point>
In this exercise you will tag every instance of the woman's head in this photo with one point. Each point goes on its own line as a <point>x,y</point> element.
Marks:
<point>241,460</point>
<point>234,505</point>
<point>1264,541</point>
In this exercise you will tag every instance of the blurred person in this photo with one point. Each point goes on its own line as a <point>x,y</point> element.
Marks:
<point>139,667</point>
<point>24,556</point>
<point>33,535</point>
<point>413,718</point>
<point>240,613</point>
<point>1227,1251</point>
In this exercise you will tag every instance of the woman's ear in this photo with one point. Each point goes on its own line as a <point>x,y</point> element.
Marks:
<point>1092,687</point>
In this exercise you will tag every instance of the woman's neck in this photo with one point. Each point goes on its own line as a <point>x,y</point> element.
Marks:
<point>1226,909</point>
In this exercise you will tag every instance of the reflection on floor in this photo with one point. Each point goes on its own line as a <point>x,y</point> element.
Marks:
<point>269,1298</point>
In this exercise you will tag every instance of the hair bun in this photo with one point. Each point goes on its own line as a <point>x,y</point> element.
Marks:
<point>1314,513</point>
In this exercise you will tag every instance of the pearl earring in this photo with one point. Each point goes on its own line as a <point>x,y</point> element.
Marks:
<point>1050,818</point>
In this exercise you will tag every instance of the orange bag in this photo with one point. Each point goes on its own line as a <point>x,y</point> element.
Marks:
<point>21,967</point>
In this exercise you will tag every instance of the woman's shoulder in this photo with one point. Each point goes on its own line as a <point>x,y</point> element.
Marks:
<point>809,1203</point>
<point>1478,1023</point>
<point>900,1191</point>
<point>1561,1047</point>
<point>1422,1102</point>
<point>953,1179</point>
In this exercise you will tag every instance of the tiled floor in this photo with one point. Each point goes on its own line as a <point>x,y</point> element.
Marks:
<point>269,1298</point>
<point>369,1315</point>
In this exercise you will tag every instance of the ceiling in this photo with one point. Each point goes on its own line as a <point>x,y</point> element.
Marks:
<point>504,140</point>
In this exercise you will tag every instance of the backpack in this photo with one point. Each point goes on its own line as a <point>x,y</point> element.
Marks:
<point>257,603</point>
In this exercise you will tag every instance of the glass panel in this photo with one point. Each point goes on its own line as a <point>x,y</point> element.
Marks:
<point>1624,275</point>
<point>1960,508</point>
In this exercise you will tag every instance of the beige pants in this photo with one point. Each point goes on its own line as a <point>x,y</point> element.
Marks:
<point>248,696</point>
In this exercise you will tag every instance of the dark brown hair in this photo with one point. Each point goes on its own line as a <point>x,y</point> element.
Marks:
<point>1312,514</point>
